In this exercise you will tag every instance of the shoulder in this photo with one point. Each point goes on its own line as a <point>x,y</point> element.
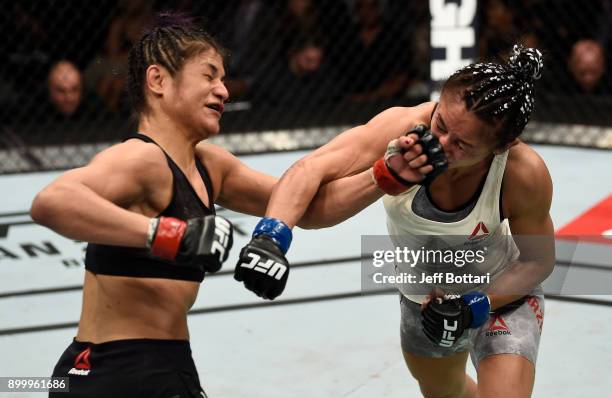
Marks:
<point>214,156</point>
<point>135,151</point>
<point>143,160</point>
<point>527,182</point>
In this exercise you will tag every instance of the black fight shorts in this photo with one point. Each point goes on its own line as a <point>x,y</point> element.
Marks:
<point>129,368</point>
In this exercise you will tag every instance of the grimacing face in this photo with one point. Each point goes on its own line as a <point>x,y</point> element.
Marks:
<point>198,93</point>
<point>465,138</point>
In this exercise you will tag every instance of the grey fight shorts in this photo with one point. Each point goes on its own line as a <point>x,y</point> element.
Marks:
<point>513,329</point>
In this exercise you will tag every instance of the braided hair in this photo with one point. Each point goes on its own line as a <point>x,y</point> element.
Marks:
<point>501,94</point>
<point>173,40</point>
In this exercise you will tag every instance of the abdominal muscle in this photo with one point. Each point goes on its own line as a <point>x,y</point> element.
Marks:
<point>118,307</point>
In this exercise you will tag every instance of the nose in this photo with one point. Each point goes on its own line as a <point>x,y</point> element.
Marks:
<point>444,142</point>
<point>221,91</point>
<point>443,139</point>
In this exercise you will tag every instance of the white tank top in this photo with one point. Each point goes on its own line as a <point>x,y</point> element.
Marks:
<point>412,220</point>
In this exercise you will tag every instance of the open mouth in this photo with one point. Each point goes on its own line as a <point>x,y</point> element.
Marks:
<point>216,107</point>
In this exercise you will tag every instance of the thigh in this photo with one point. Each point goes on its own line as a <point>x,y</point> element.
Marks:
<point>505,375</point>
<point>516,331</point>
<point>438,377</point>
<point>440,371</point>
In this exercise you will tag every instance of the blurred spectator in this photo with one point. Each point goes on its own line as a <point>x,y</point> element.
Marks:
<point>107,73</point>
<point>329,20</point>
<point>67,101</point>
<point>249,30</point>
<point>587,65</point>
<point>304,78</point>
<point>297,16</point>
<point>378,65</point>
<point>505,23</point>
<point>65,88</point>
<point>499,29</point>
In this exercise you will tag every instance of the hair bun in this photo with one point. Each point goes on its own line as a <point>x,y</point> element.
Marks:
<point>527,63</point>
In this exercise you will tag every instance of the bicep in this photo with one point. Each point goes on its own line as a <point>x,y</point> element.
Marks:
<point>357,149</point>
<point>119,187</point>
<point>531,223</point>
<point>240,188</point>
<point>118,175</point>
<point>246,190</point>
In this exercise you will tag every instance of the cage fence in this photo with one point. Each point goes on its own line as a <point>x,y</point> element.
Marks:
<point>298,71</point>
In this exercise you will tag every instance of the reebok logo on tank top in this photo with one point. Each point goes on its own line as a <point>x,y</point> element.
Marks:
<point>481,231</point>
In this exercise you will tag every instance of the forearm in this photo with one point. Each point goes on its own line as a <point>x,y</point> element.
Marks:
<point>292,195</point>
<point>341,199</point>
<point>77,212</point>
<point>518,280</point>
<point>498,300</point>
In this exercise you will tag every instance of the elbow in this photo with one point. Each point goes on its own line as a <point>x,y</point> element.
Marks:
<point>308,168</point>
<point>43,209</point>
<point>40,210</point>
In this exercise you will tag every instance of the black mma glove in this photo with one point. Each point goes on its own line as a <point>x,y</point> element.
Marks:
<point>262,265</point>
<point>445,320</point>
<point>391,182</point>
<point>432,148</point>
<point>202,242</point>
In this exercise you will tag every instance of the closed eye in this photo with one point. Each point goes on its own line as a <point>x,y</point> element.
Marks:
<point>441,125</point>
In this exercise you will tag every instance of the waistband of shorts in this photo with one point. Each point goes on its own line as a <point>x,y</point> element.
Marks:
<point>505,308</point>
<point>133,343</point>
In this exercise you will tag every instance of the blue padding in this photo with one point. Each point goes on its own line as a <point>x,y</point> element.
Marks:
<point>276,230</point>
<point>480,306</point>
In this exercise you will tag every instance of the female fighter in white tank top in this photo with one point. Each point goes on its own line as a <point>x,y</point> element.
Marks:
<point>413,219</point>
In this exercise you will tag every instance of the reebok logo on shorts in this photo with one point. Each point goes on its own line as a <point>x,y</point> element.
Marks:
<point>82,367</point>
<point>497,327</point>
<point>270,267</point>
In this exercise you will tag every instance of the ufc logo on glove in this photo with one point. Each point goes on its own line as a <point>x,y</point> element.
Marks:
<point>447,336</point>
<point>269,267</point>
<point>222,236</point>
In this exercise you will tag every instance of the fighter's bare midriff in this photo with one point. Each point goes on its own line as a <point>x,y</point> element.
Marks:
<point>117,307</point>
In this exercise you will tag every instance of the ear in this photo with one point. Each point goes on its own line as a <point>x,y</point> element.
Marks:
<point>506,147</point>
<point>155,79</point>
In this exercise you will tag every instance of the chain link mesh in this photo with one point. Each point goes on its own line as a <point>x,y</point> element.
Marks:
<point>299,69</point>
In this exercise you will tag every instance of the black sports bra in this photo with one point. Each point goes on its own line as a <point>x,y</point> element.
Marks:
<point>137,262</point>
